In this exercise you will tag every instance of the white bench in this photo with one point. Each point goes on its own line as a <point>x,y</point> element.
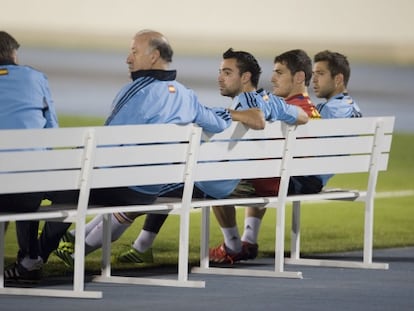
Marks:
<point>97,157</point>
<point>338,146</point>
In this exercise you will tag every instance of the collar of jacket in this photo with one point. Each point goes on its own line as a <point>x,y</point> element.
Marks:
<point>163,75</point>
<point>7,62</point>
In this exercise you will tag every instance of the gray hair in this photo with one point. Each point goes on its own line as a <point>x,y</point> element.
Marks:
<point>157,41</point>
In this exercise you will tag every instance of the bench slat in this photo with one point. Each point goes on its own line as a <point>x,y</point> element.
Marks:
<point>246,149</point>
<point>43,138</point>
<point>273,130</point>
<point>336,165</point>
<point>40,181</point>
<point>41,160</point>
<point>140,134</point>
<point>346,126</point>
<point>238,169</point>
<point>135,176</point>
<point>142,155</point>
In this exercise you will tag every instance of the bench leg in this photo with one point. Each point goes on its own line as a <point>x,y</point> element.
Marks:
<point>295,232</point>
<point>2,250</point>
<point>368,231</point>
<point>106,246</point>
<point>183,248</point>
<point>205,237</point>
<point>280,238</point>
<point>79,269</point>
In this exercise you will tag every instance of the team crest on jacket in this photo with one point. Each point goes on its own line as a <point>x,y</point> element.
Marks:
<point>266,98</point>
<point>171,88</point>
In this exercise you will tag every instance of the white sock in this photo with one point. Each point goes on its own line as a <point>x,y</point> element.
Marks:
<point>144,241</point>
<point>251,229</point>
<point>93,240</point>
<point>232,239</point>
<point>32,264</point>
<point>89,226</point>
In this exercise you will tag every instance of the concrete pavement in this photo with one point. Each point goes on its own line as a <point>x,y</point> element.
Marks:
<point>320,289</point>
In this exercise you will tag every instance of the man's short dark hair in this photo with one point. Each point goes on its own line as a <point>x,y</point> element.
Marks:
<point>296,60</point>
<point>7,46</point>
<point>246,62</point>
<point>337,63</point>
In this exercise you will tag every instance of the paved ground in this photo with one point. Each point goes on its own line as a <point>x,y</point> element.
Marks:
<point>320,289</point>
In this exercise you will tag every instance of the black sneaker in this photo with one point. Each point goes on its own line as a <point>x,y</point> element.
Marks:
<point>252,250</point>
<point>19,274</point>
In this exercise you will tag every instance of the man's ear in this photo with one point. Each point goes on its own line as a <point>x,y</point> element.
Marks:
<point>14,56</point>
<point>155,56</point>
<point>339,79</point>
<point>246,77</point>
<point>299,77</point>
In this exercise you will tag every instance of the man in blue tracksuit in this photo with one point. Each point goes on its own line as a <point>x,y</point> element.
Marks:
<point>153,96</point>
<point>331,73</point>
<point>25,103</point>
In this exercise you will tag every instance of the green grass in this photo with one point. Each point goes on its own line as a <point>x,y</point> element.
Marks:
<point>68,121</point>
<point>326,227</point>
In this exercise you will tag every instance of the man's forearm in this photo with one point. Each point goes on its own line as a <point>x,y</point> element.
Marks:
<point>253,118</point>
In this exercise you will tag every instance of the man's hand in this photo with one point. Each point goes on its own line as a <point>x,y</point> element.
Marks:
<point>253,117</point>
<point>302,116</point>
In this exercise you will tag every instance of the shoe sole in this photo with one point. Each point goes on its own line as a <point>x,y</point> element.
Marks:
<point>22,281</point>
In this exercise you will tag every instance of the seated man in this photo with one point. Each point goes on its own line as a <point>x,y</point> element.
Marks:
<point>25,102</point>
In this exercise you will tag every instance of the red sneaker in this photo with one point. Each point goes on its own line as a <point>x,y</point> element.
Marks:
<point>219,254</point>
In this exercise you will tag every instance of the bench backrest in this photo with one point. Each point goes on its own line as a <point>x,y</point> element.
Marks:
<point>341,146</point>
<point>42,159</point>
<point>320,147</point>
<point>150,154</point>
<point>72,158</point>
<point>63,159</point>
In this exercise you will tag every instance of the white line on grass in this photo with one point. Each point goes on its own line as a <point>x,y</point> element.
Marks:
<point>378,195</point>
<point>393,194</point>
